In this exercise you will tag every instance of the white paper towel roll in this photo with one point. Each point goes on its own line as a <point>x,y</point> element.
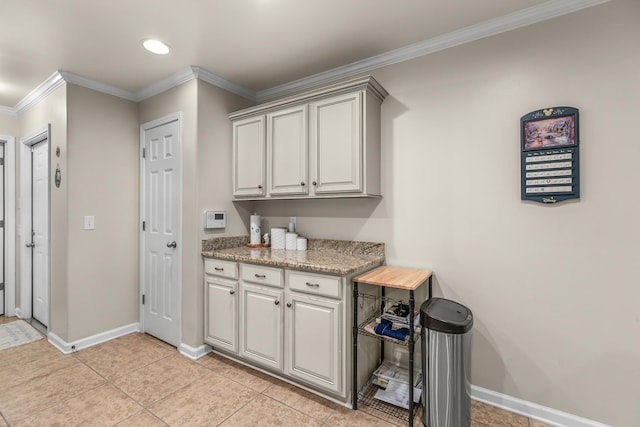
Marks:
<point>301,243</point>
<point>255,229</point>
<point>277,238</point>
<point>290,243</point>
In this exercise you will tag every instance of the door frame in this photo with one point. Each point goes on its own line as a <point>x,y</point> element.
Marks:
<point>26,309</point>
<point>143,128</point>
<point>9,224</point>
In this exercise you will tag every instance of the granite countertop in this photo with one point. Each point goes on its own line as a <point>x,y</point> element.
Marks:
<point>341,257</point>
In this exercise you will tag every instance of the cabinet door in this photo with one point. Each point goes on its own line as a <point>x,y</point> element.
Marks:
<point>314,341</point>
<point>336,143</point>
<point>261,325</point>
<point>249,157</point>
<point>287,143</point>
<point>221,314</point>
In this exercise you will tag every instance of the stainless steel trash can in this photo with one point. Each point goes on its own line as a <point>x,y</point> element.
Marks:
<point>446,363</point>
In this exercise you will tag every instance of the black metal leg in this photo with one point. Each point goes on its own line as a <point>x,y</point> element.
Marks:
<point>354,356</point>
<point>412,304</point>
<point>382,304</point>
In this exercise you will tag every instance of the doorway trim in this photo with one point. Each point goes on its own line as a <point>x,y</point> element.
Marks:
<point>9,224</point>
<point>25,310</point>
<point>177,116</point>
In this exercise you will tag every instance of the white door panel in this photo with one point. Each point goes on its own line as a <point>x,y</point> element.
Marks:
<point>40,227</point>
<point>2,243</point>
<point>161,239</point>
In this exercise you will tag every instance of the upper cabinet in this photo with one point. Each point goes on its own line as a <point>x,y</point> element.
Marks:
<point>249,147</point>
<point>320,144</point>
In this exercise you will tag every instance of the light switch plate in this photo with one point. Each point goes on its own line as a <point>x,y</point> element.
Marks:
<point>89,222</point>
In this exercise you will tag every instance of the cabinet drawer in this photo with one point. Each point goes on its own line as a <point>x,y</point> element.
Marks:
<point>228,269</point>
<point>315,284</point>
<point>262,275</point>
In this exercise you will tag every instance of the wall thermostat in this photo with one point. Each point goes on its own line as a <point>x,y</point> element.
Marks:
<point>215,219</point>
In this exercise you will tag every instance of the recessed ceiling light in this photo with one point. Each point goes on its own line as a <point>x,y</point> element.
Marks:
<point>155,46</point>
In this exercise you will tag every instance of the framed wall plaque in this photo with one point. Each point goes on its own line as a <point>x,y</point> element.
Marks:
<point>550,161</point>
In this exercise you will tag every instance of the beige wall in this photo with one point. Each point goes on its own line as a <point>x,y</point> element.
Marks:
<point>51,110</point>
<point>206,181</point>
<point>554,289</point>
<point>102,172</point>
<point>8,125</point>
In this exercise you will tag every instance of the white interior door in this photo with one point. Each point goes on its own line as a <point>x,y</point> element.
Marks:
<point>40,233</point>
<point>161,239</point>
<point>2,242</point>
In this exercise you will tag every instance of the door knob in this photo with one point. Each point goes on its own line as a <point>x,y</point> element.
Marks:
<point>30,245</point>
<point>172,244</point>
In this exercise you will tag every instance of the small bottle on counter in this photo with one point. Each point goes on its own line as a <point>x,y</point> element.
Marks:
<point>266,239</point>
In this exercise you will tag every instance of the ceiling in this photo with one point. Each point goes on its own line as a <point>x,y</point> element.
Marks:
<point>257,44</point>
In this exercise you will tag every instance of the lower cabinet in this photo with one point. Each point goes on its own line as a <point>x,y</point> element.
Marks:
<point>314,338</point>
<point>261,330</point>
<point>221,326</point>
<point>289,322</point>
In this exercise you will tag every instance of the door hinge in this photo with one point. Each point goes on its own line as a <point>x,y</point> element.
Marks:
<point>1,286</point>
<point>1,161</point>
<point>1,223</point>
<point>143,225</point>
<point>144,153</point>
<point>142,299</point>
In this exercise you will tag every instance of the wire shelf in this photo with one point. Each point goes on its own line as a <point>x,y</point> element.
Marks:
<point>371,320</point>
<point>366,397</point>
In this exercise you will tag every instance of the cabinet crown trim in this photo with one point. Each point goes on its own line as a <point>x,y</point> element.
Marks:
<point>367,83</point>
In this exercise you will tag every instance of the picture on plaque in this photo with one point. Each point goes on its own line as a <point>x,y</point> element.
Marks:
<point>550,169</point>
<point>549,133</point>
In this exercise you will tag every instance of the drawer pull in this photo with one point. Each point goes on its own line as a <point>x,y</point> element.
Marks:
<point>276,302</point>
<point>260,276</point>
<point>218,269</point>
<point>313,285</point>
<point>232,292</point>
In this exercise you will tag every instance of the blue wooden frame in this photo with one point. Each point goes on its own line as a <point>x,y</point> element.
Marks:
<point>550,155</point>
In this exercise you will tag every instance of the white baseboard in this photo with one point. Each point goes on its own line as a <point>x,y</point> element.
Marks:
<point>194,353</point>
<point>67,348</point>
<point>531,410</point>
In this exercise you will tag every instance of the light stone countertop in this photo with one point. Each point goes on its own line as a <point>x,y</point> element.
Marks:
<point>341,257</point>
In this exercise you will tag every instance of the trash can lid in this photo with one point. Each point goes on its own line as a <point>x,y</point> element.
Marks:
<point>443,315</point>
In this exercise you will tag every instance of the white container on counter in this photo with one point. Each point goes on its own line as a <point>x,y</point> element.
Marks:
<point>278,238</point>
<point>301,243</point>
<point>254,223</point>
<point>290,241</point>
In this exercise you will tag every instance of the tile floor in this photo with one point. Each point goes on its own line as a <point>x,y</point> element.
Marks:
<point>137,380</point>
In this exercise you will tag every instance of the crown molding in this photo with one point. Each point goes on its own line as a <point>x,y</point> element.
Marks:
<point>548,10</point>
<point>54,81</point>
<point>512,21</point>
<point>175,79</point>
<point>8,111</point>
<point>214,79</point>
<point>76,79</point>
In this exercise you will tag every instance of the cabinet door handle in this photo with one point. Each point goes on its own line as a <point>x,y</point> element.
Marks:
<point>289,304</point>
<point>276,302</point>
<point>314,183</point>
<point>260,276</point>
<point>232,292</point>
<point>259,187</point>
<point>314,285</point>
<point>218,269</point>
<point>302,183</point>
